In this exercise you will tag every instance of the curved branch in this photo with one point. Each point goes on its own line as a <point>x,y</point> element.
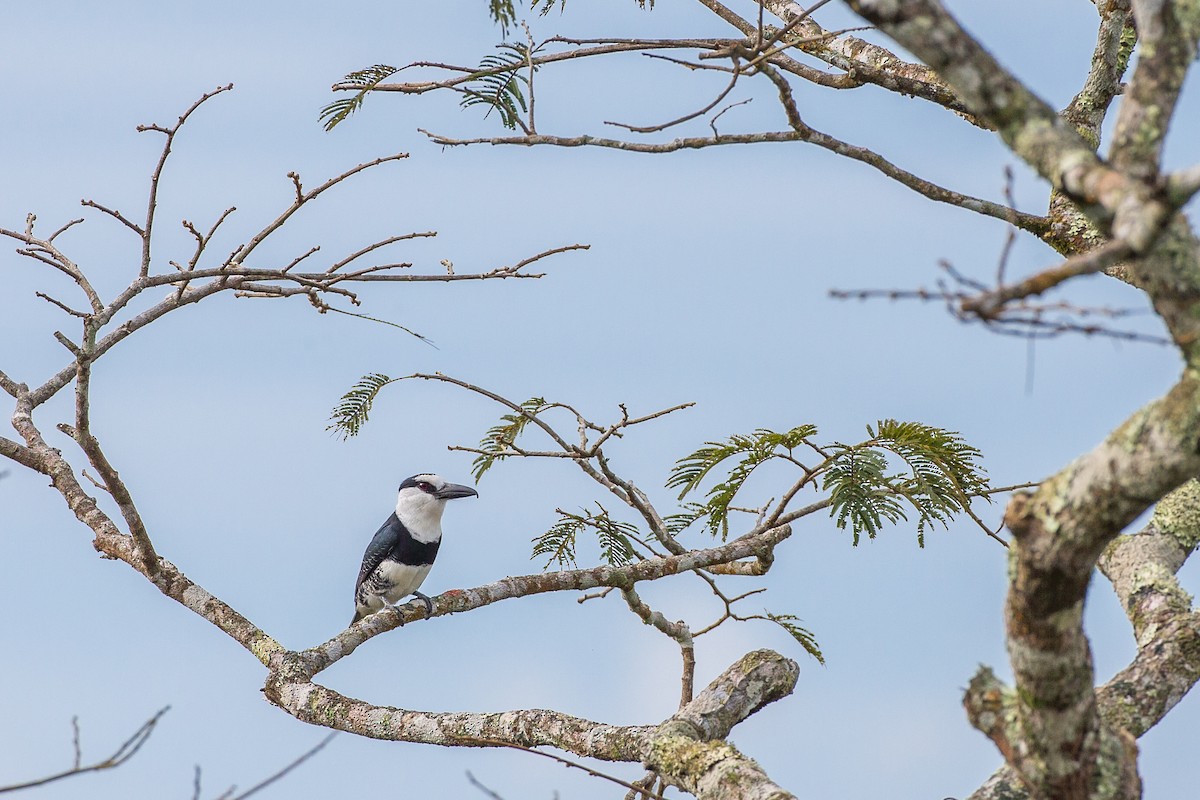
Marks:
<point>686,749</point>
<point>1030,222</point>
<point>126,751</point>
<point>1028,125</point>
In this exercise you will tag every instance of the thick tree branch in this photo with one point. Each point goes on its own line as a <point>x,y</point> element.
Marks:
<point>1059,534</point>
<point>1114,44</point>
<point>686,749</point>
<point>1142,568</point>
<point>689,750</point>
<point>1167,31</point>
<point>868,62</point>
<point>1167,629</point>
<point>1031,128</point>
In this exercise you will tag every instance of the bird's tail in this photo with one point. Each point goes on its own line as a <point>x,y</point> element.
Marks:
<point>358,614</point>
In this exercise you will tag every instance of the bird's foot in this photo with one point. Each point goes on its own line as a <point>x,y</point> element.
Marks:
<point>428,603</point>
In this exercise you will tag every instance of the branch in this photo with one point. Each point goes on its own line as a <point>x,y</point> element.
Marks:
<point>143,548</point>
<point>287,769</point>
<point>988,304</point>
<point>458,601</point>
<point>1168,32</point>
<point>1029,222</point>
<point>126,751</point>
<point>1114,45</point>
<point>147,231</point>
<point>689,750</point>
<point>676,630</point>
<point>1132,208</point>
<point>1060,533</point>
<point>758,678</point>
<point>870,63</point>
<point>1141,568</point>
<point>243,251</point>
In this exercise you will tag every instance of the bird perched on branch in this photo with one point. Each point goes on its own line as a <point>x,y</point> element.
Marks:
<point>399,557</point>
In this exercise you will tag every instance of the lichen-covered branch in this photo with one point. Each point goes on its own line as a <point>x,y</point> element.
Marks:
<point>1028,125</point>
<point>1167,665</point>
<point>688,750</point>
<point>1142,568</point>
<point>868,62</point>
<point>1167,32</point>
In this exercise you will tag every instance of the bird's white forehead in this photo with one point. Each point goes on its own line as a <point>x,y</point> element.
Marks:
<point>437,481</point>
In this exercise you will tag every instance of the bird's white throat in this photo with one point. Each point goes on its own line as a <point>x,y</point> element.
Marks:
<point>421,514</point>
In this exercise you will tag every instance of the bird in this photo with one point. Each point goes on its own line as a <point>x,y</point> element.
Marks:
<point>399,557</point>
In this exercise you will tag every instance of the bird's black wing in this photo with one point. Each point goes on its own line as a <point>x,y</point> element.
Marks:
<point>390,534</point>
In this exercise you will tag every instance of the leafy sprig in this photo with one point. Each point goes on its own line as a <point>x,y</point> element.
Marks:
<point>498,82</point>
<point>366,79</point>
<point>559,542</point>
<point>801,635</point>
<point>497,443</point>
<point>352,411</point>
<point>941,474</point>
<point>754,449</point>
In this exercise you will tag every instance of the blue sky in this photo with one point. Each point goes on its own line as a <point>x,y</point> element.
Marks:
<point>707,281</point>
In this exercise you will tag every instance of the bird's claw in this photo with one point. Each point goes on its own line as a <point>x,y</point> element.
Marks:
<point>428,603</point>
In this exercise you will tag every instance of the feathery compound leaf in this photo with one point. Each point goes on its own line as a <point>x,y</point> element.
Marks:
<point>944,470</point>
<point>503,13</point>
<point>351,412</point>
<point>559,542</point>
<point>615,547</point>
<point>497,443</point>
<point>678,523</point>
<point>366,79</point>
<point>859,491</point>
<point>941,476</point>
<point>801,635</point>
<point>754,449</point>
<point>497,83</point>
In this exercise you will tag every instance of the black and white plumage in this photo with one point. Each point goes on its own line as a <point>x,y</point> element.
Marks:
<point>399,557</point>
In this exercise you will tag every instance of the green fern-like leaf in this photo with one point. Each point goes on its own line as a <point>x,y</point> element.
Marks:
<point>498,83</point>
<point>754,449</point>
<point>366,79</point>
<point>613,535</point>
<point>690,471</point>
<point>678,523</point>
<point>351,412</point>
<point>558,543</point>
<point>859,491</point>
<point>941,474</point>
<point>801,635</point>
<point>497,443</point>
<point>943,470</point>
<point>503,13</point>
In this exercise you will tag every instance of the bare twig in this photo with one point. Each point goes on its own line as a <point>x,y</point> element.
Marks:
<point>676,630</point>
<point>1028,222</point>
<point>126,751</point>
<point>289,768</point>
<point>147,230</point>
<point>568,763</point>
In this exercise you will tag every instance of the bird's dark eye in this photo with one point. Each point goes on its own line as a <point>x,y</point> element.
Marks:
<point>425,487</point>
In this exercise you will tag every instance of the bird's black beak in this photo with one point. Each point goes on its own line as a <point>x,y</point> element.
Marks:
<point>452,490</point>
